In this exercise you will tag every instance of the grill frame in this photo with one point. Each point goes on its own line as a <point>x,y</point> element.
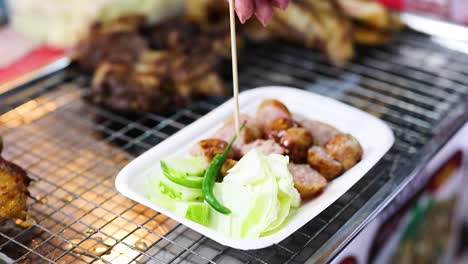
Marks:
<point>420,133</point>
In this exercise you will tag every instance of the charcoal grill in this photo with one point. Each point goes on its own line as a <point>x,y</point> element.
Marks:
<point>74,150</point>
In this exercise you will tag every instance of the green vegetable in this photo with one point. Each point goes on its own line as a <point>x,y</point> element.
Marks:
<point>177,192</point>
<point>180,177</point>
<point>199,213</point>
<point>257,198</point>
<point>260,192</point>
<point>210,178</point>
<point>193,166</point>
<point>155,195</point>
<point>212,173</point>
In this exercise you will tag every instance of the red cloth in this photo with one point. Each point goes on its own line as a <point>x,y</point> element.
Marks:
<point>35,59</point>
<point>395,4</point>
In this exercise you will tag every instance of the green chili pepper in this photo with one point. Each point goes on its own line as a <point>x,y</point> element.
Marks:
<point>211,174</point>
<point>180,177</point>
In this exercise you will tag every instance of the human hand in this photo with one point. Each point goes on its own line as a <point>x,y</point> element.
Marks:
<point>262,9</point>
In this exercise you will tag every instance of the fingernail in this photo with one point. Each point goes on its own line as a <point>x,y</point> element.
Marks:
<point>242,18</point>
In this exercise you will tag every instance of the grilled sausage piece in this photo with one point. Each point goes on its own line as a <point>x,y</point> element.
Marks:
<point>296,142</point>
<point>278,128</point>
<point>320,160</point>
<point>307,181</point>
<point>266,147</point>
<point>208,148</point>
<point>321,132</point>
<point>345,149</point>
<point>251,132</point>
<point>270,110</point>
<point>228,164</point>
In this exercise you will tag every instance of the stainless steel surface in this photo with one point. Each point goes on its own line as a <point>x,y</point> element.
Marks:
<point>35,75</point>
<point>74,150</point>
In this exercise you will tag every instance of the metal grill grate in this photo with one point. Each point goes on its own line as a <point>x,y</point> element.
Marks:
<point>73,151</point>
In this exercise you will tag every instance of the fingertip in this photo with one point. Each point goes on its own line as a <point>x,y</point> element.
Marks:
<point>244,10</point>
<point>263,11</point>
<point>264,19</point>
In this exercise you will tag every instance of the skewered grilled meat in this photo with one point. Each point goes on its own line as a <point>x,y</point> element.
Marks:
<point>321,132</point>
<point>345,149</point>
<point>307,181</point>
<point>13,191</point>
<point>251,132</point>
<point>320,160</point>
<point>312,162</point>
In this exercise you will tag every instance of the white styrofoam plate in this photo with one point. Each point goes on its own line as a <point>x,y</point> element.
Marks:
<point>374,135</point>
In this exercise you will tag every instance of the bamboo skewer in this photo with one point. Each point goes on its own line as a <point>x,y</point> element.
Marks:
<point>235,77</point>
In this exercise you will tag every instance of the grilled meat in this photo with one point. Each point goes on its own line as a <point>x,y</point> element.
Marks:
<point>307,181</point>
<point>278,128</point>
<point>266,147</point>
<point>228,164</point>
<point>325,164</point>
<point>321,132</point>
<point>13,191</point>
<point>251,132</point>
<point>209,148</point>
<point>118,41</point>
<point>316,23</point>
<point>296,142</point>
<point>367,12</point>
<point>370,37</point>
<point>153,68</point>
<point>346,149</point>
<point>270,110</point>
<point>132,87</point>
<point>208,13</point>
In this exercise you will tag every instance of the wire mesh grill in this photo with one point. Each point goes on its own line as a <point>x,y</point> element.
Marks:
<point>73,151</point>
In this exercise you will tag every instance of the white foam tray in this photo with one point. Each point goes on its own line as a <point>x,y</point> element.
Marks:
<point>374,135</point>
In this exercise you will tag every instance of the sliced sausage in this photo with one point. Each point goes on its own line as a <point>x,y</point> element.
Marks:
<point>251,132</point>
<point>321,132</point>
<point>228,164</point>
<point>270,110</point>
<point>266,147</point>
<point>296,142</point>
<point>308,182</point>
<point>208,148</point>
<point>276,129</point>
<point>345,149</point>
<point>320,160</point>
